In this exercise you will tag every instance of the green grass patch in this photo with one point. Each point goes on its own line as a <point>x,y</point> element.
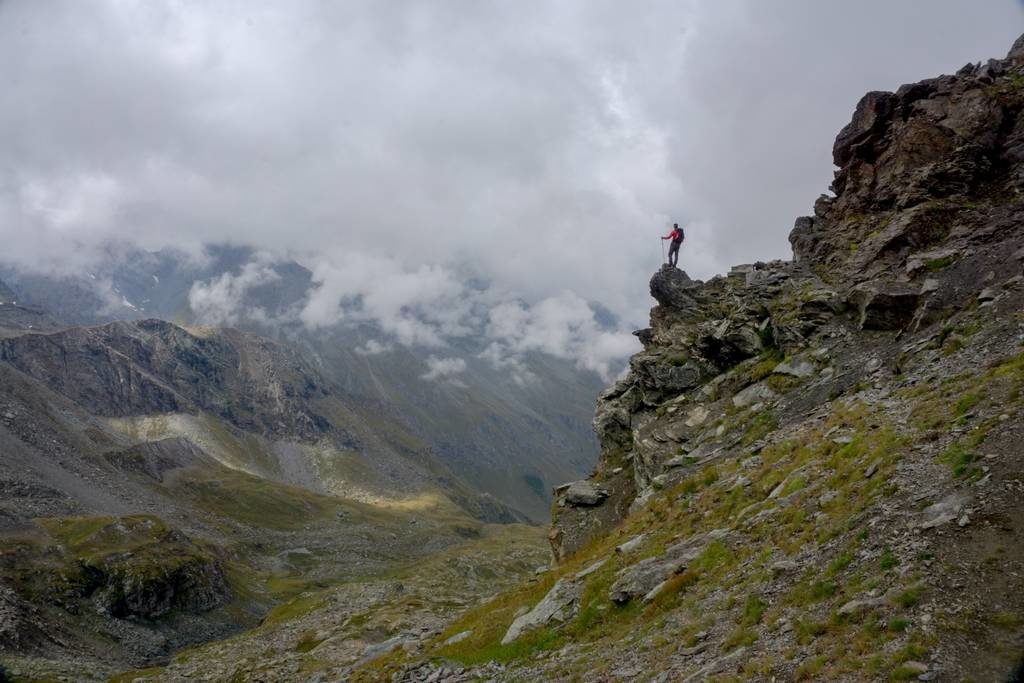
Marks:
<point>840,563</point>
<point>308,642</point>
<point>822,590</point>
<point>255,501</point>
<point>761,426</point>
<point>888,560</point>
<point>740,637</point>
<point>765,365</point>
<point>1007,620</point>
<point>898,624</point>
<point>939,263</point>
<point>966,403</point>
<point>960,459</point>
<point>908,598</point>
<point>75,532</point>
<point>528,645</point>
<point>753,610</point>
<point>293,609</point>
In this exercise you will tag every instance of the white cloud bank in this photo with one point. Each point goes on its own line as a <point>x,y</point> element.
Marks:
<point>221,301</point>
<point>408,150</point>
<point>442,368</point>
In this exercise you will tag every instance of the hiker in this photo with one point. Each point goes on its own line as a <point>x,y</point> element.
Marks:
<point>677,238</point>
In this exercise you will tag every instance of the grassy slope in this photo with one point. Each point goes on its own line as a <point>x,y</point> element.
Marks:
<point>732,590</point>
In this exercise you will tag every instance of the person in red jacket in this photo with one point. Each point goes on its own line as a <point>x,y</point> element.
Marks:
<point>677,238</point>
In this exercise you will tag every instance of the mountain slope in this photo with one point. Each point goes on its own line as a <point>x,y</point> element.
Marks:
<point>163,488</point>
<point>511,439</point>
<point>812,470</point>
<point>254,404</point>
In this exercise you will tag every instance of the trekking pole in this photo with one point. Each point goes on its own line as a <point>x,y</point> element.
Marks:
<point>662,251</point>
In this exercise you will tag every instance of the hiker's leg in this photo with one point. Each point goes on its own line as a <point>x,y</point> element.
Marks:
<point>673,254</point>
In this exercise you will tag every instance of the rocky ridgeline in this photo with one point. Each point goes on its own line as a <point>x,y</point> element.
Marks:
<point>812,470</point>
<point>152,366</point>
<point>926,221</point>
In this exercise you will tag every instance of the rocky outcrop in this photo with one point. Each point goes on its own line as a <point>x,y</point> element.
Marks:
<point>830,440</point>
<point>150,586</point>
<point>911,165</point>
<point>139,567</point>
<point>560,604</point>
<point>645,578</point>
<point>924,216</point>
<point>672,287</point>
<point>579,519</point>
<point>699,333</point>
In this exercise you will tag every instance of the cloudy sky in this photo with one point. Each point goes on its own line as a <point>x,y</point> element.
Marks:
<point>405,149</point>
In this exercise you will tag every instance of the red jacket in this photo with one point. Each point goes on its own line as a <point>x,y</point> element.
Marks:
<point>676,235</point>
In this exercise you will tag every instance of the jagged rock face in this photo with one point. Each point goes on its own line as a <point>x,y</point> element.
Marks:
<point>885,305</point>
<point>925,216</point>
<point>715,326</point>
<point>912,166</point>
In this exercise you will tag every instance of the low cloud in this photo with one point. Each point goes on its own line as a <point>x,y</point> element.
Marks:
<point>443,368</point>
<point>563,326</point>
<point>418,307</point>
<point>429,306</point>
<point>373,348</point>
<point>222,300</point>
<point>409,152</point>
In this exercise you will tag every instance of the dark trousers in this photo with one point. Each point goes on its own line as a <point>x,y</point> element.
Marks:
<point>673,252</point>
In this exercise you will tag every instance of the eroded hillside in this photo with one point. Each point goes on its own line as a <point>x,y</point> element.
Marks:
<point>813,470</point>
<point>162,488</point>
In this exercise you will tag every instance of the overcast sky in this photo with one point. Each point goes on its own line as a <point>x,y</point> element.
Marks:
<point>540,147</point>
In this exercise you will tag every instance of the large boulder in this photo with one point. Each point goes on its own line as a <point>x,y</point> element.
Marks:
<point>560,604</point>
<point>584,494</point>
<point>755,393</point>
<point>645,578</point>
<point>673,287</point>
<point>574,526</point>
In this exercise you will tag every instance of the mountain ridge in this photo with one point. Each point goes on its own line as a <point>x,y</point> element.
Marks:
<point>810,471</point>
<point>502,436</point>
